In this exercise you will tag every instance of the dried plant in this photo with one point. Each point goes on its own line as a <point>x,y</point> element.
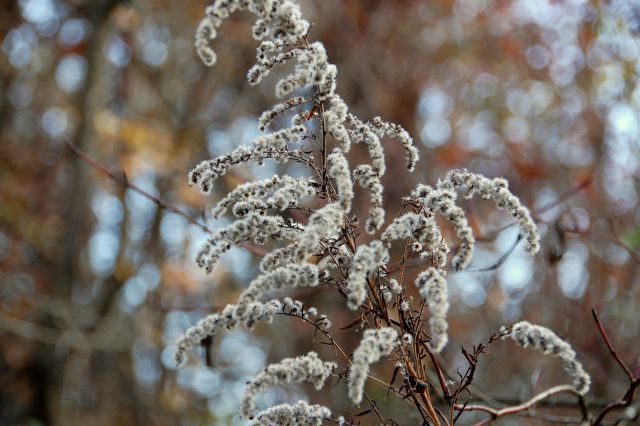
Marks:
<point>323,248</point>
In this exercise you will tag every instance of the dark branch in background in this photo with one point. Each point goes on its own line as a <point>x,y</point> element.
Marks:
<point>634,381</point>
<point>493,234</point>
<point>536,213</point>
<point>121,178</point>
<point>500,260</point>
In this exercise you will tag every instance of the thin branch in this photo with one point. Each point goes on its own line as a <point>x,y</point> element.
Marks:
<point>623,402</point>
<point>122,180</point>
<point>71,339</point>
<point>496,413</point>
<point>634,382</point>
<point>612,350</point>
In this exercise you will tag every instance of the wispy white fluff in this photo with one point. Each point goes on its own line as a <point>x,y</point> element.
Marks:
<point>374,345</point>
<point>368,175</point>
<point>338,169</point>
<point>278,192</point>
<point>323,222</point>
<point>366,261</point>
<point>395,287</point>
<point>228,318</point>
<point>367,178</point>
<point>246,314</point>
<point>278,257</point>
<point>404,226</point>
<point>442,202</point>
<point>433,288</point>
<point>267,116</point>
<point>298,414</point>
<point>278,20</point>
<point>545,340</point>
<point>273,145</point>
<point>498,190</point>
<point>396,131</point>
<point>311,68</point>
<point>365,133</point>
<point>253,226</point>
<point>334,121</point>
<point>259,71</point>
<point>338,258</point>
<point>307,368</point>
<point>426,233</point>
<point>406,339</point>
<point>286,277</point>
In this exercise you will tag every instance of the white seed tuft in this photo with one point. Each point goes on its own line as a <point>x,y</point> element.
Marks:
<point>307,368</point>
<point>545,340</point>
<point>374,345</point>
<point>433,288</point>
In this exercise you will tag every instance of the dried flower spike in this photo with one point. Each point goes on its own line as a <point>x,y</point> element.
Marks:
<point>433,288</point>
<point>374,345</point>
<point>545,340</point>
<point>298,414</point>
<point>307,368</point>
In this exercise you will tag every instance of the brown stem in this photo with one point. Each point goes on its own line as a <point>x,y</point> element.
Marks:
<point>612,350</point>
<point>426,398</point>
<point>122,180</point>
<point>496,413</point>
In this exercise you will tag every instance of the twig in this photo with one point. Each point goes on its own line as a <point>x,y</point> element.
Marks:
<point>612,350</point>
<point>500,261</point>
<point>496,413</point>
<point>122,180</point>
<point>634,382</point>
<point>623,402</point>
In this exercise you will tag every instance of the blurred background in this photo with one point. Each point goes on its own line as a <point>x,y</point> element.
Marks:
<point>97,281</point>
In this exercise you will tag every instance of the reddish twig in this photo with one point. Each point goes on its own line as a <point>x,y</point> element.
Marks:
<point>612,350</point>
<point>122,180</point>
<point>496,413</point>
<point>634,382</point>
<point>623,402</point>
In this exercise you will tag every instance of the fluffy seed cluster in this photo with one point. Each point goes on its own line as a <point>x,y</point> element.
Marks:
<point>368,179</point>
<point>309,98</point>
<point>374,345</point>
<point>277,257</point>
<point>395,287</point>
<point>278,192</point>
<point>442,202</point>
<point>433,288</point>
<point>229,318</point>
<point>339,170</point>
<point>298,414</point>
<point>245,315</point>
<point>280,20</point>
<point>307,368</point>
<point>272,146</point>
<point>423,229</point>
<point>334,121</point>
<point>545,340</point>
<point>366,260</point>
<point>496,189</point>
<point>322,223</point>
<point>286,277</point>
<point>268,116</point>
<point>395,131</point>
<point>254,226</point>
